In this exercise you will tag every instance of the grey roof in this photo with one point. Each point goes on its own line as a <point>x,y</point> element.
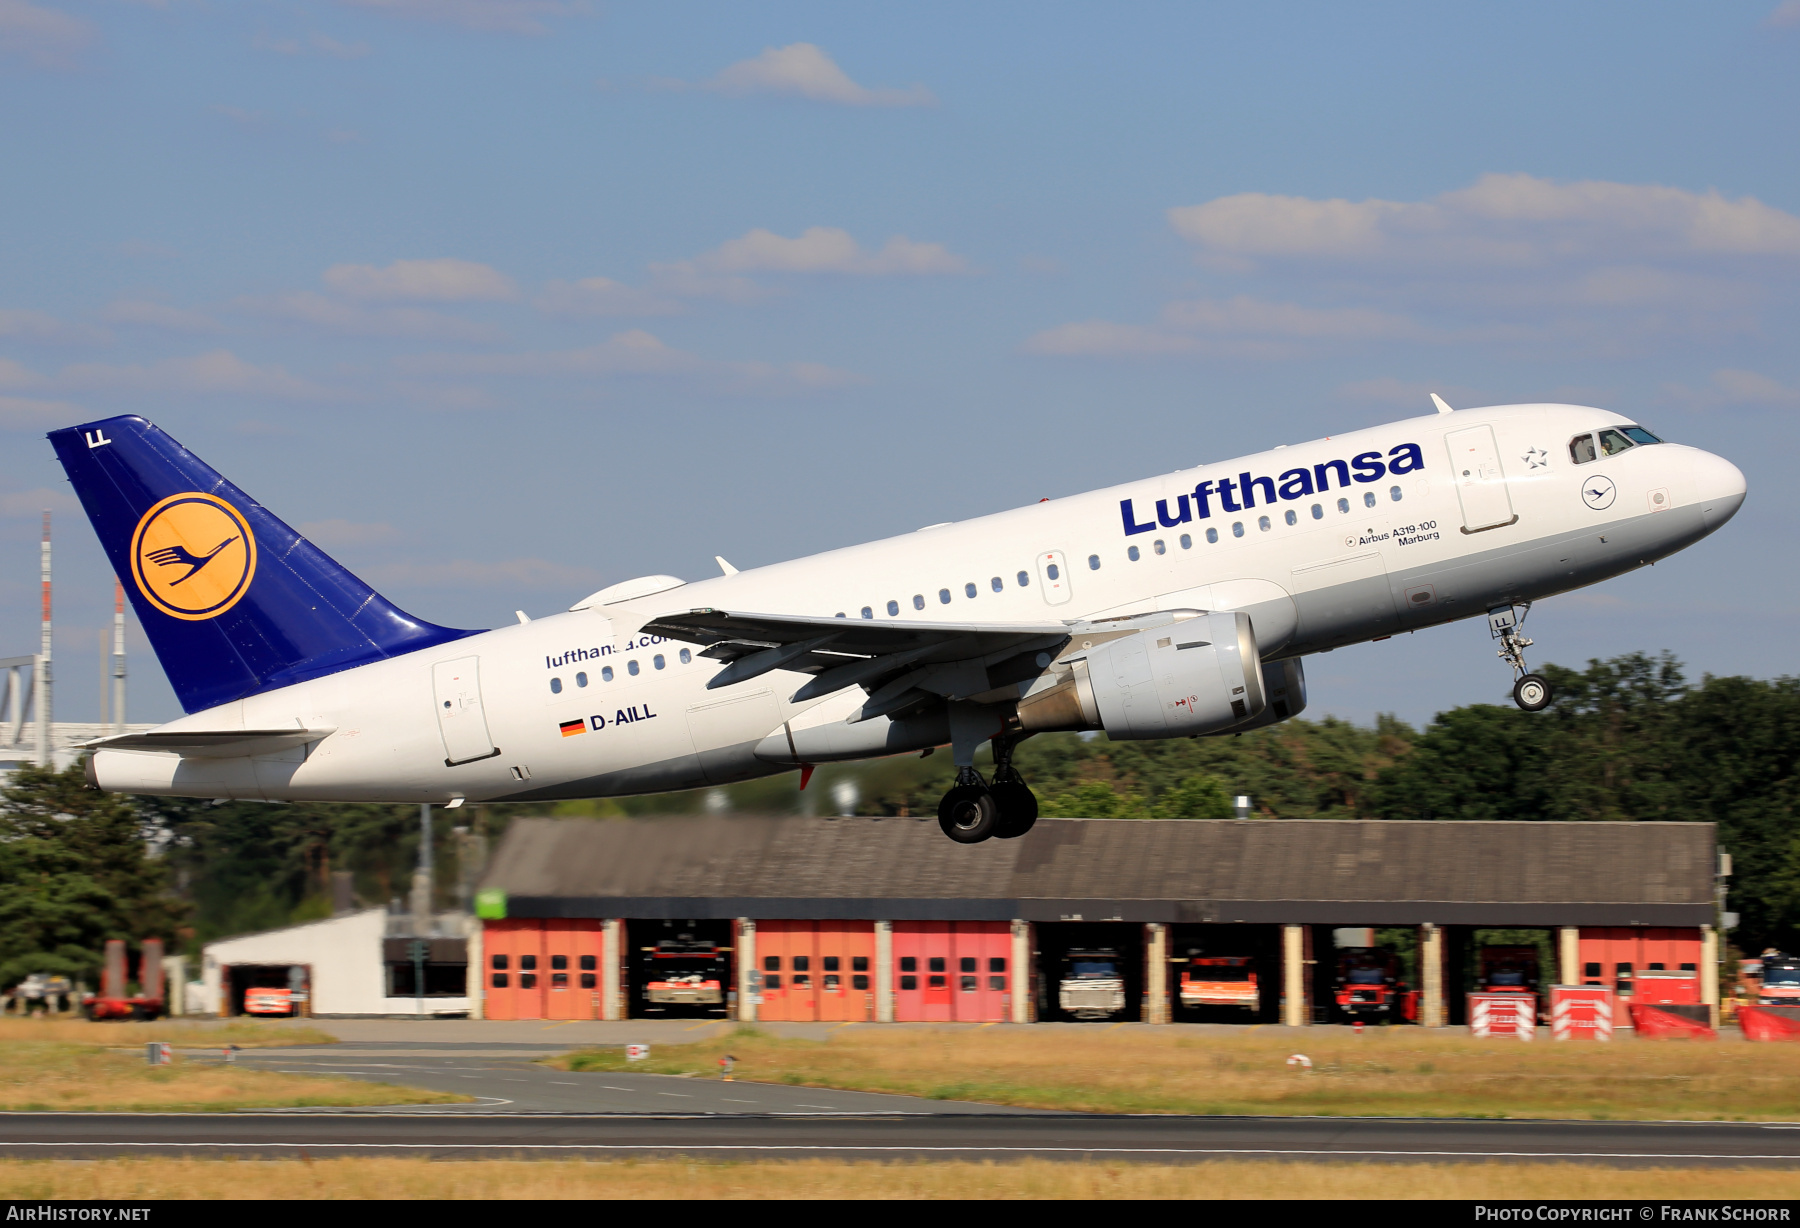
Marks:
<point>1292,871</point>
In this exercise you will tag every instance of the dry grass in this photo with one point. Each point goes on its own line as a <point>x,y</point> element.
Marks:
<point>71,1065</point>
<point>691,1179</point>
<point>1385,1072</point>
<point>244,1033</point>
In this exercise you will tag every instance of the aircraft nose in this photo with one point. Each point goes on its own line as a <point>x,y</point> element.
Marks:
<point>1720,486</point>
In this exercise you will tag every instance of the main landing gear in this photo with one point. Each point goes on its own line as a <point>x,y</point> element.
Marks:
<point>975,810</point>
<point>1530,691</point>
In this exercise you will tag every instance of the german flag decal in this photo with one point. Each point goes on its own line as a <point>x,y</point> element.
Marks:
<point>571,728</point>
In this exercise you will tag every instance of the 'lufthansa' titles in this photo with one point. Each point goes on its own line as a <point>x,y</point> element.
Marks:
<point>1240,494</point>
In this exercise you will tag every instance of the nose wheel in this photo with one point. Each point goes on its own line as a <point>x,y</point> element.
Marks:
<point>1532,692</point>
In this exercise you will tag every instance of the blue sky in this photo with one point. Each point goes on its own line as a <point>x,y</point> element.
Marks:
<point>503,300</point>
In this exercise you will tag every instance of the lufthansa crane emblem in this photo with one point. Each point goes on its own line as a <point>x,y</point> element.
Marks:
<point>1598,492</point>
<point>193,556</point>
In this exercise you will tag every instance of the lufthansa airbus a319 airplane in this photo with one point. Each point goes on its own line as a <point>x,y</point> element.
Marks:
<point>1177,606</point>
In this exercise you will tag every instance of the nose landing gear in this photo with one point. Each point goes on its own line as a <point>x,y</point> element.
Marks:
<point>1532,692</point>
<point>973,810</point>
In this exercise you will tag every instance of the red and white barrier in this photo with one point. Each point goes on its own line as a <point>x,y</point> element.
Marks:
<point>1503,1014</point>
<point>1581,1012</point>
<point>1760,1024</point>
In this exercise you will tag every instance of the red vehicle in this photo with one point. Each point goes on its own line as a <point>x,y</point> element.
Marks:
<point>685,971</point>
<point>1509,970</point>
<point>113,1002</point>
<point>263,1001</point>
<point>1220,980</point>
<point>1371,986</point>
<point>1780,980</point>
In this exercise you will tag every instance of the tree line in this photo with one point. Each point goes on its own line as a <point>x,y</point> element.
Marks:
<point>1627,738</point>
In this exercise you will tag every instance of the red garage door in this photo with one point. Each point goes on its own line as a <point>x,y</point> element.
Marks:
<point>952,971</point>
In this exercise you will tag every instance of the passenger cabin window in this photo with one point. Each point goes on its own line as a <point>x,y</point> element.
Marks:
<point>1212,537</point>
<point>1581,449</point>
<point>997,584</point>
<point>918,601</point>
<point>1024,579</point>
<point>1368,498</point>
<point>1237,528</point>
<point>1131,552</point>
<point>1262,522</point>
<point>1093,564</point>
<point>868,612</point>
<point>943,596</point>
<point>686,657</point>
<point>969,589</point>
<point>1187,542</point>
<point>1613,442</point>
<point>893,609</point>
<point>631,667</point>
<point>606,673</point>
<point>1055,572</point>
<point>1318,512</point>
<point>1290,517</point>
<point>1158,546</point>
<point>580,679</point>
<point>1343,506</point>
<point>555,687</point>
<point>658,661</point>
<point>1394,493</point>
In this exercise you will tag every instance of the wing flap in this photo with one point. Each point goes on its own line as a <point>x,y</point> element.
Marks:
<point>212,744</point>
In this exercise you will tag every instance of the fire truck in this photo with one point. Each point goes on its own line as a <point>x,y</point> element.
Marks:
<point>1220,980</point>
<point>1509,970</point>
<point>1371,985</point>
<point>1780,980</point>
<point>1092,985</point>
<point>687,972</point>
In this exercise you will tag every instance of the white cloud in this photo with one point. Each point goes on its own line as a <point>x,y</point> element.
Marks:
<point>329,315</point>
<point>827,249</point>
<point>47,38</point>
<point>25,413</point>
<point>336,534</point>
<point>634,353</point>
<point>34,503</point>
<point>1508,220</point>
<point>442,281</point>
<point>15,374</point>
<point>501,16</point>
<point>602,296</point>
<point>1241,327</point>
<point>44,329</point>
<point>802,70</point>
<point>1786,15</point>
<point>216,372</point>
<point>1750,388</point>
<point>501,573</point>
<point>143,313</point>
<point>314,44</point>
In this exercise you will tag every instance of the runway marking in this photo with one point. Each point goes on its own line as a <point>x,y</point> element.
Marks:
<point>564,1083</point>
<point>729,1100</point>
<point>902,1147</point>
<point>677,1095</point>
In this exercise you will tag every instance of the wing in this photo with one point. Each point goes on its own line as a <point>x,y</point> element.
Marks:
<point>208,744</point>
<point>900,664</point>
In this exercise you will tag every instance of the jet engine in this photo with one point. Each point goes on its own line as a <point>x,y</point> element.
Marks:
<point>1177,673</point>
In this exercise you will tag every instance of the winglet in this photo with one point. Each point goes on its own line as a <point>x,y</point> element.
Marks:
<point>725,567</point>
<point>1442,408</point>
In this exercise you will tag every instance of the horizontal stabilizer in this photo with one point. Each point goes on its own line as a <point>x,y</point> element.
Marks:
<point>207,744</point>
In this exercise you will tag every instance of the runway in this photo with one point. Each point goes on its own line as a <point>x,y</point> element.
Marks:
<point>967,1136</point>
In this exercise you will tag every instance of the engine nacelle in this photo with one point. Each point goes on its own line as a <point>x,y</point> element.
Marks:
<point>1284,686</point>
<point>1173,674</point>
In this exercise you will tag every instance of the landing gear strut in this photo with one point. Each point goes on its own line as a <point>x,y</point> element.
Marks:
<point>973,810</point>
<point>1530,691</point>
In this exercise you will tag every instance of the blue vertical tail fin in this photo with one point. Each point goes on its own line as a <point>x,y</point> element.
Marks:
<point>234,601</point>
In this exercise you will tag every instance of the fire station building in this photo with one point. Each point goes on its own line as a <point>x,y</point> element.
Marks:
<point>883,920</point>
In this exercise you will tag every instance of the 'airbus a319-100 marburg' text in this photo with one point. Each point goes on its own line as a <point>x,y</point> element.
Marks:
<point>1177,606</point>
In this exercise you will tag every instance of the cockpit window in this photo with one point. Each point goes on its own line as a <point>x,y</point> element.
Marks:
<point>1613,442</point>
<point>1581,449</point>
<point>1638,434</point>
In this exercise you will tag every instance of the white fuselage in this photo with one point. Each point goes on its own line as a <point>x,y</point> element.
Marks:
<point>1358,563</point>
